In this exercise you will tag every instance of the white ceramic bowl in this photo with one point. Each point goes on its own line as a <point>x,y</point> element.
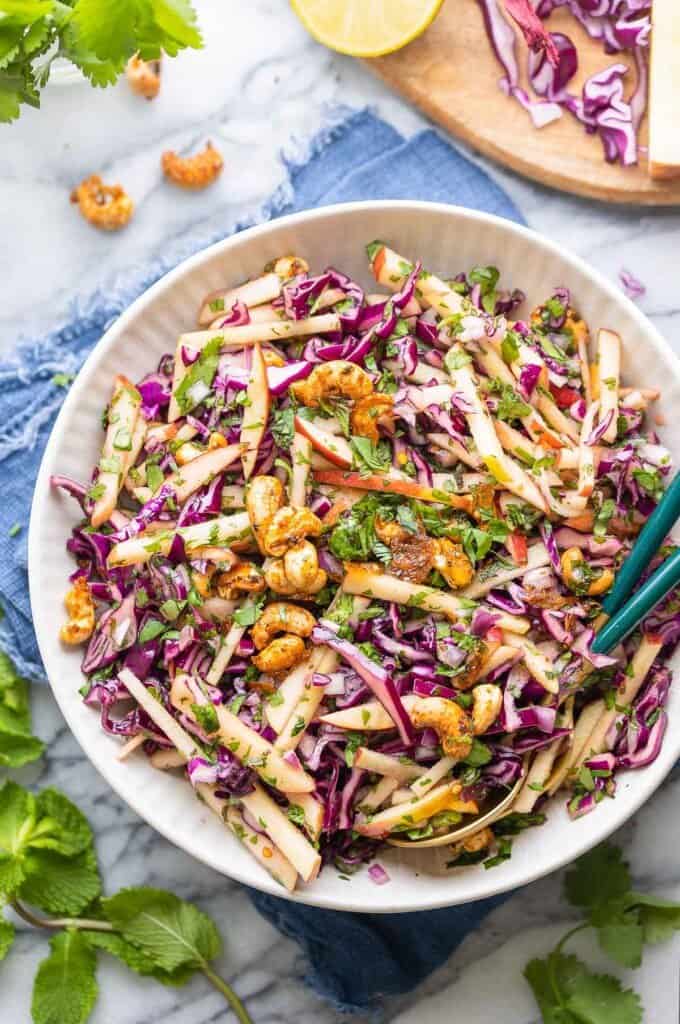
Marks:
<point>445,238</point>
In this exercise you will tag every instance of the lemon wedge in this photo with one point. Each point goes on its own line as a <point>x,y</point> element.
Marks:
<point>366,28</point>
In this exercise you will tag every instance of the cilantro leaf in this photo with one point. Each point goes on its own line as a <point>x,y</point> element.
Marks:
<point>173,933</point>
<point>622,939</point>
<point>370,457</point>
<point>283,427</point>
<point>541,975</point>
<point>6,937</point>
<point>658,917</point>
<point>598,878</point>
<point>201,372</point>
<point>568,993</point>
<point>65,988</point>
<point>61,885</point>
<point>601,999</point>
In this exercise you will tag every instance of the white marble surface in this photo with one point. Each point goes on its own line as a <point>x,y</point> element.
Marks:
<point>260,83</point>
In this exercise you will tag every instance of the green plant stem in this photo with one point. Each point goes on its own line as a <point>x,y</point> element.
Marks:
<point>60,922</point>
<point>227,991</point>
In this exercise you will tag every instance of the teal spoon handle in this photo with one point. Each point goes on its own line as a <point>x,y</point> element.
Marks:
<point>650,539</point>
<point>666,577</point>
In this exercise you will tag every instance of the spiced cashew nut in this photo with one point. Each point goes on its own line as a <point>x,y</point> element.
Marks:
<point>194,172</point>
<point>245,577</point>
<point>107,207</point>
<point>281,617</point>
<point>448,719</point>
<point>80,609</point>
<point>144,77</point>
<point>487,701</point>
<point>336,379</point>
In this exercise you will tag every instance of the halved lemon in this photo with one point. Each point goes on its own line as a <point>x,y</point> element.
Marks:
<point>366,28</point>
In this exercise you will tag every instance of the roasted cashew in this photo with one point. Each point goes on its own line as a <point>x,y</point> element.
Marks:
<point>451,723</point>
<point>264,497</point>
<point>107,207</point>
<point>573,563</point>
<point>473,844</point>
<point>280,654</point>
<point>202,581</point>
<point>80,609</point>
<point>301,564</point>
<point>487,701</point>
<point>368,412</point>
<point>412,553</point>
<point>144,77</point>
<point>336,379</point>
<point>216,440</point>
<point>275,575</point>
<point>452,562</point>
<point>288,266</point>
<point>196,171</point>
<point>246,577</point>
<point>281,617</point>
<point>288,527</point>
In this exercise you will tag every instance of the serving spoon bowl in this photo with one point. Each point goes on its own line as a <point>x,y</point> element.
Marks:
<point>465,831</point>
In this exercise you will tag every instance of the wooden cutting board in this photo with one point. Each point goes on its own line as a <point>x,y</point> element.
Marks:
<point>451,73</point>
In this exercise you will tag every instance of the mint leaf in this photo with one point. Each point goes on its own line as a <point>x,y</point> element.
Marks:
<point>134,958</point>
<point>65,988</point>
<point>61,885</point>
<point>71,833</point>
<point>11,876</point>
<point>16,750</point>
<point>173,933</point>
<point>17,817</point>
<point>6,937</point>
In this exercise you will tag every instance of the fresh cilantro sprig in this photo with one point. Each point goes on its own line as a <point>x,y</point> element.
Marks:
<point>566,990</point>
<point>97,39</point>
<point>48,862</point>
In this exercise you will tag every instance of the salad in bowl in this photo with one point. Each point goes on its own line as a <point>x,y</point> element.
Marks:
<point>343,555</point>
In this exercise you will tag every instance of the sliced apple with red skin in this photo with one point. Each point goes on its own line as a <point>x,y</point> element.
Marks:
<point>256,412</point>
<point>392,485</point>
<point>516,543</point>
<point>334,448</point>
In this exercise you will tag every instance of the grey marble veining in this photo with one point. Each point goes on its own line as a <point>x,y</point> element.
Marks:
<point>260,84</point>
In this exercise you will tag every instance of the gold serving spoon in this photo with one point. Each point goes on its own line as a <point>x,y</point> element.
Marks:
<point>465,830</point>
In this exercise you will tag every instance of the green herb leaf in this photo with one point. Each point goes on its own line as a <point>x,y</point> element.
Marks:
<point>206,716</point>
<point>70,832</point>
<point>598,878</point>
<point>135,958</point>
<point>283,427</point>
<point>61,885</point>
<point>65,988</point>
<point>6,937</point>
<point>150,630</point>
<point>171,932</point>
<point>201,372</point>
<point>374,458</point>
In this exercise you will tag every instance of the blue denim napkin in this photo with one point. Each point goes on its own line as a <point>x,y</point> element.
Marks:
<point>353,960</point>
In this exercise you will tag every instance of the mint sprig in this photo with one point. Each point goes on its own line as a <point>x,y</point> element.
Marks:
<point>48,863</point>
